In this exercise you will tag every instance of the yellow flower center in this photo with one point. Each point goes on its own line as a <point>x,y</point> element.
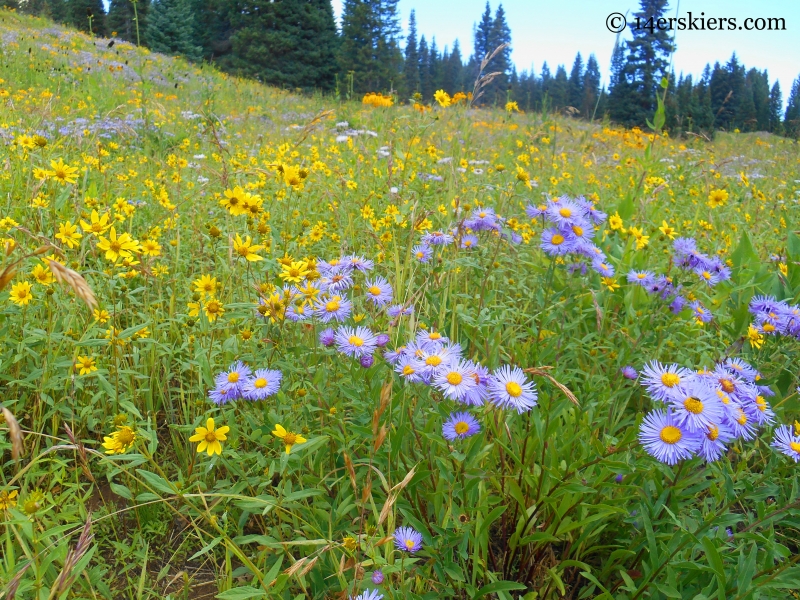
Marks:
<point>671,435</point>
<point>706,275</point>
<point>482,215</point>
<point>211,437</point>
<point>557,239</point>
<point>420,254</point>
<point>795,446</point>
<point>727,385</point>
<point>514,390</point>
<point>768,327</point>
<point>290,438</point>
<point>761,403</point>
<point>408,370</point>
<point>115,246</point>
<point>375,290</point>
<point>454,378</point>
<point>742,418</point>
<point>332,306</point>
<point>641,275</point>
<point>355,341</point>
<point>233,377</point>
<point>435,335</point>
<point>125,436</point>
<point>409,544</point>
<point>713,433</point>
<point>670,379</point>
<point>461,428</point>
<point>433,361</point>
<point>693,405</point>
<point>578,230</point>
<point>260,383</point>
<point>565,212</point>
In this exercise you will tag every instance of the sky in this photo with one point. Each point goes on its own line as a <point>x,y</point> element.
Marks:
<point>554,31</point>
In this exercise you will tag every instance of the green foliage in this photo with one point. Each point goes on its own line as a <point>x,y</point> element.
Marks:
<point>169,28</point>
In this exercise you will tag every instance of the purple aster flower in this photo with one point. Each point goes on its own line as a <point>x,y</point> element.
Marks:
<point>701,313</point>
<point>223,394</point>
<point>422,253</point>
<point>565,212</point>
<point>235,377</point>
<point>456,381</point>
<point>603,268</point>
<point>642,278</point>
<point>709,277</point>
<point>332,307</point>
<point>557,243</point>
<point>437,238</point>
<point>695,406</point>
<point>713,442</point>
<point>358,263</point>
<point>665,440</point>
<point>469,241</point>
<point>356,342</point>
<point>482,219</point>
<point>327,337</point>
<point>659,379</point>
<point>741,368</point>
<point>396,310</point>
<point>407,540</point>
<point>534,211</point>
<point>393,356</point>
<point>410,369</point>
<point>509,388</point>
<point>367,361</point>
<point>677,304</point>
<point>480,393</point>
<point>369,594</point>
<point>381,340</point>
<point>684,246</point>
<point>740,424</point>
<point>460,425</point>
<point>262,384</point>
<point>377,577</point>
<point>764,304</point>
<point>628,372</point>
<point>298,312</point>
<point>336,283</point>
<point>619,478</point>
<point>379,291</point>
<point>430,339</point>
<point>787,443</point>
<point>434,361</point>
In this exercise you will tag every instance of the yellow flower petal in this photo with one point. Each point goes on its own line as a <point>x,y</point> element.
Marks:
<point>300,439</point>
<point>222,431</point>
<point>214,448</point>
<point>279,432</point>
<point>202,446</point>
<point>210,424</point>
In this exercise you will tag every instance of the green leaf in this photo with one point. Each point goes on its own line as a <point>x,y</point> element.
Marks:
<point>207,548</point>
<point>241,593</point>
<point>499,586</point>
<point>156,481</point>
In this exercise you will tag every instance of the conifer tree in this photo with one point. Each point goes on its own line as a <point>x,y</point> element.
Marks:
<point>591,88</point>
<point>791,120</point>
<point>77,15</point>
<point>434,66</point>
<point>775,109</point>
<point>122,19</point>
<point>289,43</point>
<point>411,59</point>
<point>500,33</point>
<point>575,86</point>
<point>559,89</point>
<point>482,32</point>
<point>369,46</point>
<point>453,69</point>
<point>425,83</point>
<point>169,28</point>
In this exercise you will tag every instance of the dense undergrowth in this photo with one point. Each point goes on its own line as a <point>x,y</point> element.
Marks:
<point>207,215</point>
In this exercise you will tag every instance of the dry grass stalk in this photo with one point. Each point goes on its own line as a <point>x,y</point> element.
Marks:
<point>67,577</point>
<point>393,495</point>
<point>542,373</point>
<point>14,433</point>
<point>74,280</point>
<point>484,80</point>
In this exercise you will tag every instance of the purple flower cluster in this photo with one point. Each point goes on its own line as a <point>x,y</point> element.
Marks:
<point>710,270</point>
<point>775,317</point>
<point>239,381</point>
<point>571,233</point>
<point>704,410</point>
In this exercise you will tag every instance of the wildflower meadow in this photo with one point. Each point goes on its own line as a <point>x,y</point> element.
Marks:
<point>265,345</point>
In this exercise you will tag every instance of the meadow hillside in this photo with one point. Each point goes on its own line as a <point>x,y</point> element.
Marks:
<point>262,345</point>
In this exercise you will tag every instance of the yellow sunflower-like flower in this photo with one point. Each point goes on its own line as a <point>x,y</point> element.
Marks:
<point>85,365</point>
<point>68,233</point>
<point>289,438</point>
<point>210,438</point>
<point>20,293</point>
<point>99,223</point>
<point>246,249</point>
<point>63,173</point>
<point>116,247</point>
<point>119,441</point>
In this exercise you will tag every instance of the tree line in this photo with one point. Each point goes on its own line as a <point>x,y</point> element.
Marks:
<point>296,44</point>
